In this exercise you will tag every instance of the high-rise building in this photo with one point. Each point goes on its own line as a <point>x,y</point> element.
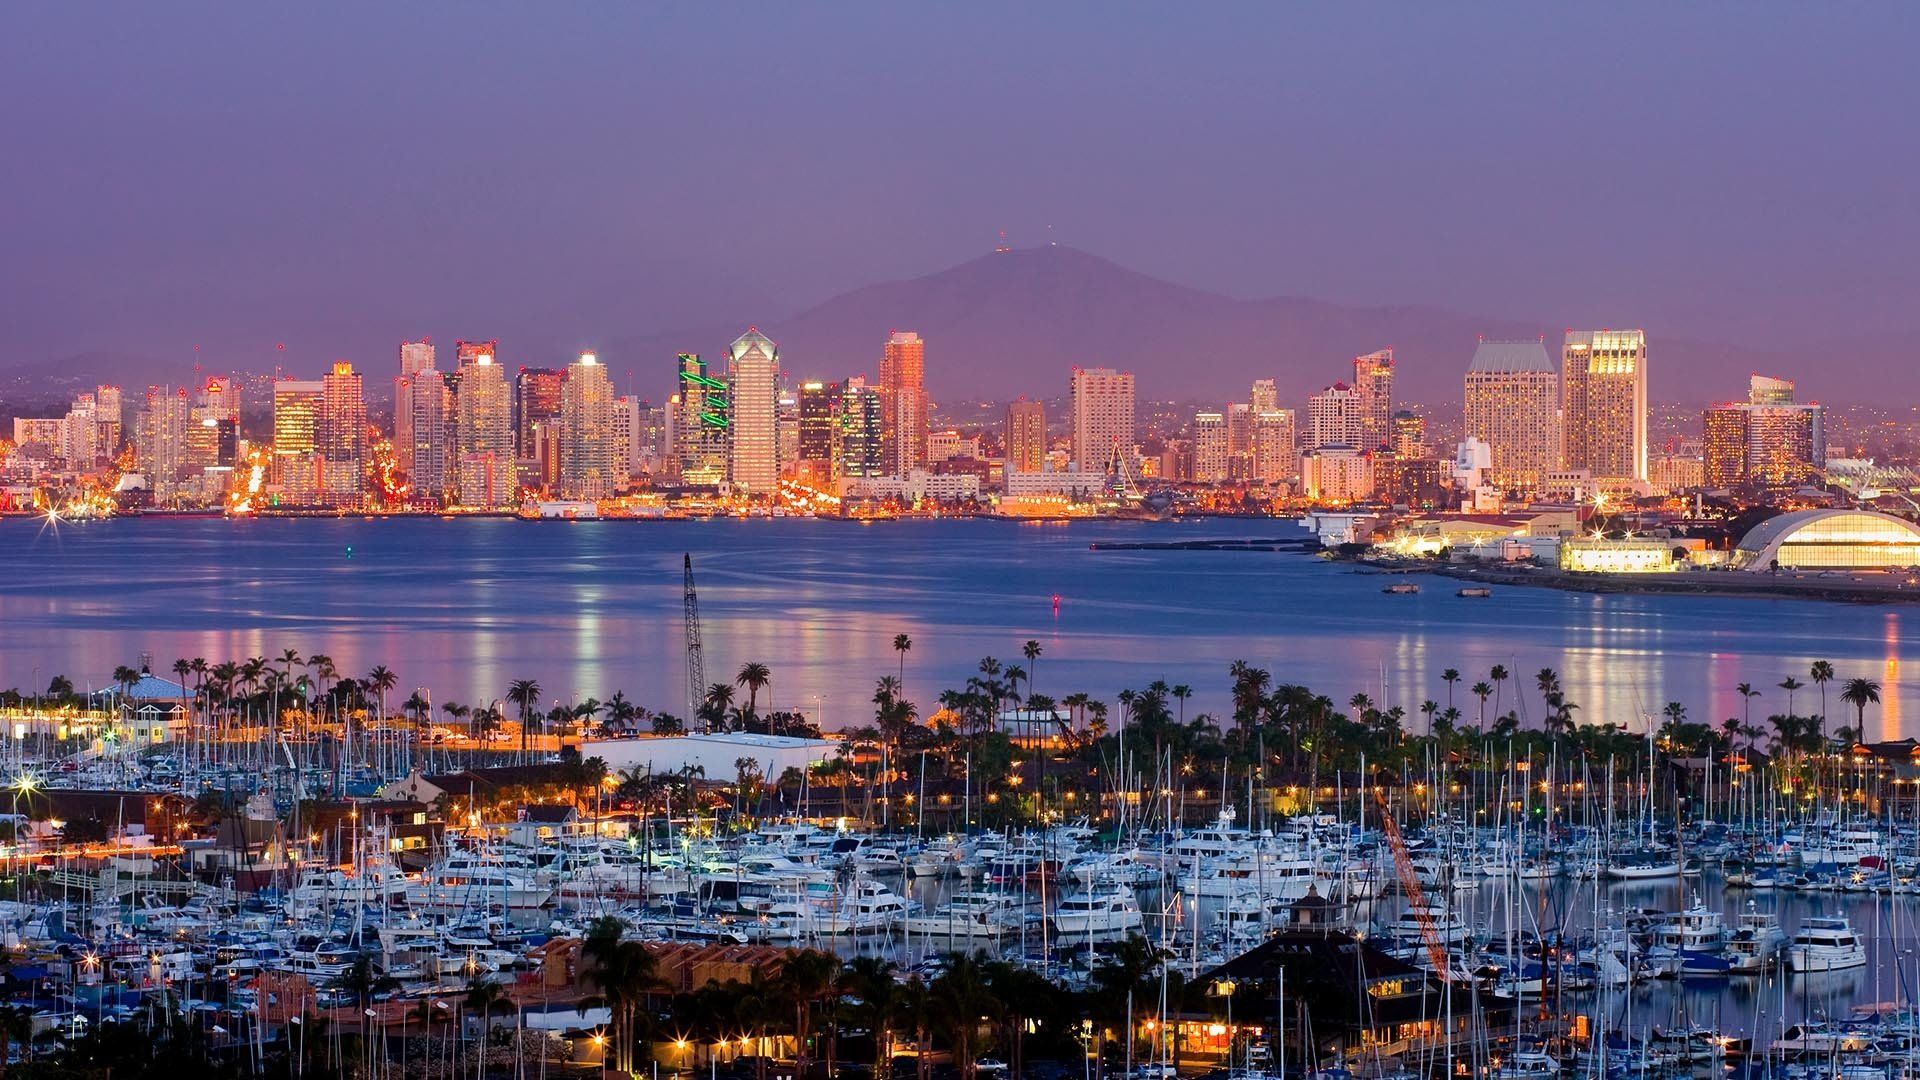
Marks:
<point>1335,418</point>
<point>1264,398</point>
<point>1604,403</point>
<point>1373,389</point>
<point>626,438</point>
<point>1336,474</point>
<point>296,418</point>
<point>468,353</point>
<point>416,356</point>
<point>753,458</point>
<point>484,466</point>
<point>1513,406</point>
<point>1276,455</point>
<point>424,430</point>
<point>1101,404</point>
<point>213,426</point>
<point>1211,456</point>
<point>162,449</point>
<point>701,411</point>
<point>586,431</point>
<point>1240,435</point>
<point>1026,436</point>
<point>903,390</point>
<point>1769,440</point>
<point>109,417</point>
<point>862,431</point>
<point>1409,439</point>
<point>818,440</point>
<point>80,432</point>
<point>340,432</point>
<point>536,404</point>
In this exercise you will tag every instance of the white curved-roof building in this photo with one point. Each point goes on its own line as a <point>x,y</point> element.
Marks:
<point>1830,540</point>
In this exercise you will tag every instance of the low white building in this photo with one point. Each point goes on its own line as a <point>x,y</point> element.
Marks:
<point>1069,483</point>
<point>918,485</point>
<point>713,753</point>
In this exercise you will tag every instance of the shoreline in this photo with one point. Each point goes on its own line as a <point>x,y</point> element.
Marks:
<point>1695,583</point>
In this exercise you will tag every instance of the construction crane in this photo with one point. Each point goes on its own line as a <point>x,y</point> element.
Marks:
<point>696,666</point>
<point>1410,885</point>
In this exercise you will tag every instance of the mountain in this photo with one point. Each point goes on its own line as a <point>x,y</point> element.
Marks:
<point>1015,322</point>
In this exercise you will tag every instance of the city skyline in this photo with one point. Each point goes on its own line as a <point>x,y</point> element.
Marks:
<point>236,241</point>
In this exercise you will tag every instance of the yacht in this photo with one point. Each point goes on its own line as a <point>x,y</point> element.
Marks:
<point>1826,944</point>
<point>478,881</point>
<point>1105,912</point>
<point>1409,927</point>
<point>969,915</point>
<point>1756,942</point>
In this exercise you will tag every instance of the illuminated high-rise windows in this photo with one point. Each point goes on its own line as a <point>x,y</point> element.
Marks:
<point>903,401</point>
<point>1513,405</point>
<point>1604,397</point>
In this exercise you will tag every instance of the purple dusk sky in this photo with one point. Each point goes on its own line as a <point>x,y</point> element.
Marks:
<point>340,176</point>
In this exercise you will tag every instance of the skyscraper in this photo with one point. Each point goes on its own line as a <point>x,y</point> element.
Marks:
<point>1373,389</point>
<point>1276,455</point>
<point>1240,435</point>
<point>468,353</point>
<point>1769,440</point>
<point>818,442</point>
<point>1264,398</point>
<point>1513,405</point>
<point>162,452</point>
<point>340,432</point>
<point>1026,436</point>
<point>862,431</point>
<point>1102,412</point>
<point>416,356</point>
<point>1210,453</point>
<point>536,404</point>
<point>1604,383</point>
<point>586,431</point>
<point>1335,417</point>
<point>753,459</point>
<point>1409,436</point>
<point>423,434</point>
<point>903,390</point>
<point>485,468</point>
<point>700,415</point>
<point>296,416</point>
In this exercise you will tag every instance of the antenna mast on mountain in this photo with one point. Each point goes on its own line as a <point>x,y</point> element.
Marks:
<point>1002,247</point>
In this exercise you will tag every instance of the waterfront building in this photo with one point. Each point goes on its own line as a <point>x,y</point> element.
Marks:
<point>1335,418</point>
<point>1071,484</point>
<point>753,459</point>
<point>1025,435</point>
<point>296,414</point>
<point>484,466</point>
<point>1628,555</point>
<point>468,353</point>
<point>1275,453</point>
<point>1102,411</point>
<point>416,356</point>
<point>1513,406</point>
<point>213,426</point>
<point>586,431</point>
<point>948,445</point>
<point>1604,388</point>
<point>917,486</point>
<point>536,405</point>
<point>162,448</point>
<point>862,433</point>
<point>817,441</point>
<point>1829,540</point>
<point>1240,448</point>
<point>626,434</point>
<point>80,434</point>
<point>1336,474</point>
<point>903,400</point>
<point>1210,447</point>
<point>1373,394</point>
<point>340,432</point>
<point>1769,440</point>
<point>424,433</point>
<point>699,414</point>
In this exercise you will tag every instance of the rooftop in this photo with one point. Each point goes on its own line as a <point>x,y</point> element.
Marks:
<point>1500,357</point>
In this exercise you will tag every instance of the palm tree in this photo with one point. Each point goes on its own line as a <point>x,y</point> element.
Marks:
<point>754,676</point>
<point>1499,676</point>
<point>959,1001</point>
<point>1860,693</point>
<point>1031,650</point>
<point>1450,676</point>
<point>382,680</point>
<point>870,980</point>
<point>525,694</point>
<point>902,644</point>
<point>625,973</point>
<point>1747,694</point>
<point>714,709</point>
<point>289,658</point>
<point>1790,684</point>
<point>805,978</point>
<point>1483,691</point>
<point>1821,673</point>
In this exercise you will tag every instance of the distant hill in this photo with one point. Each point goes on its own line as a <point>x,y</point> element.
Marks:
<point>1015,322</point>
